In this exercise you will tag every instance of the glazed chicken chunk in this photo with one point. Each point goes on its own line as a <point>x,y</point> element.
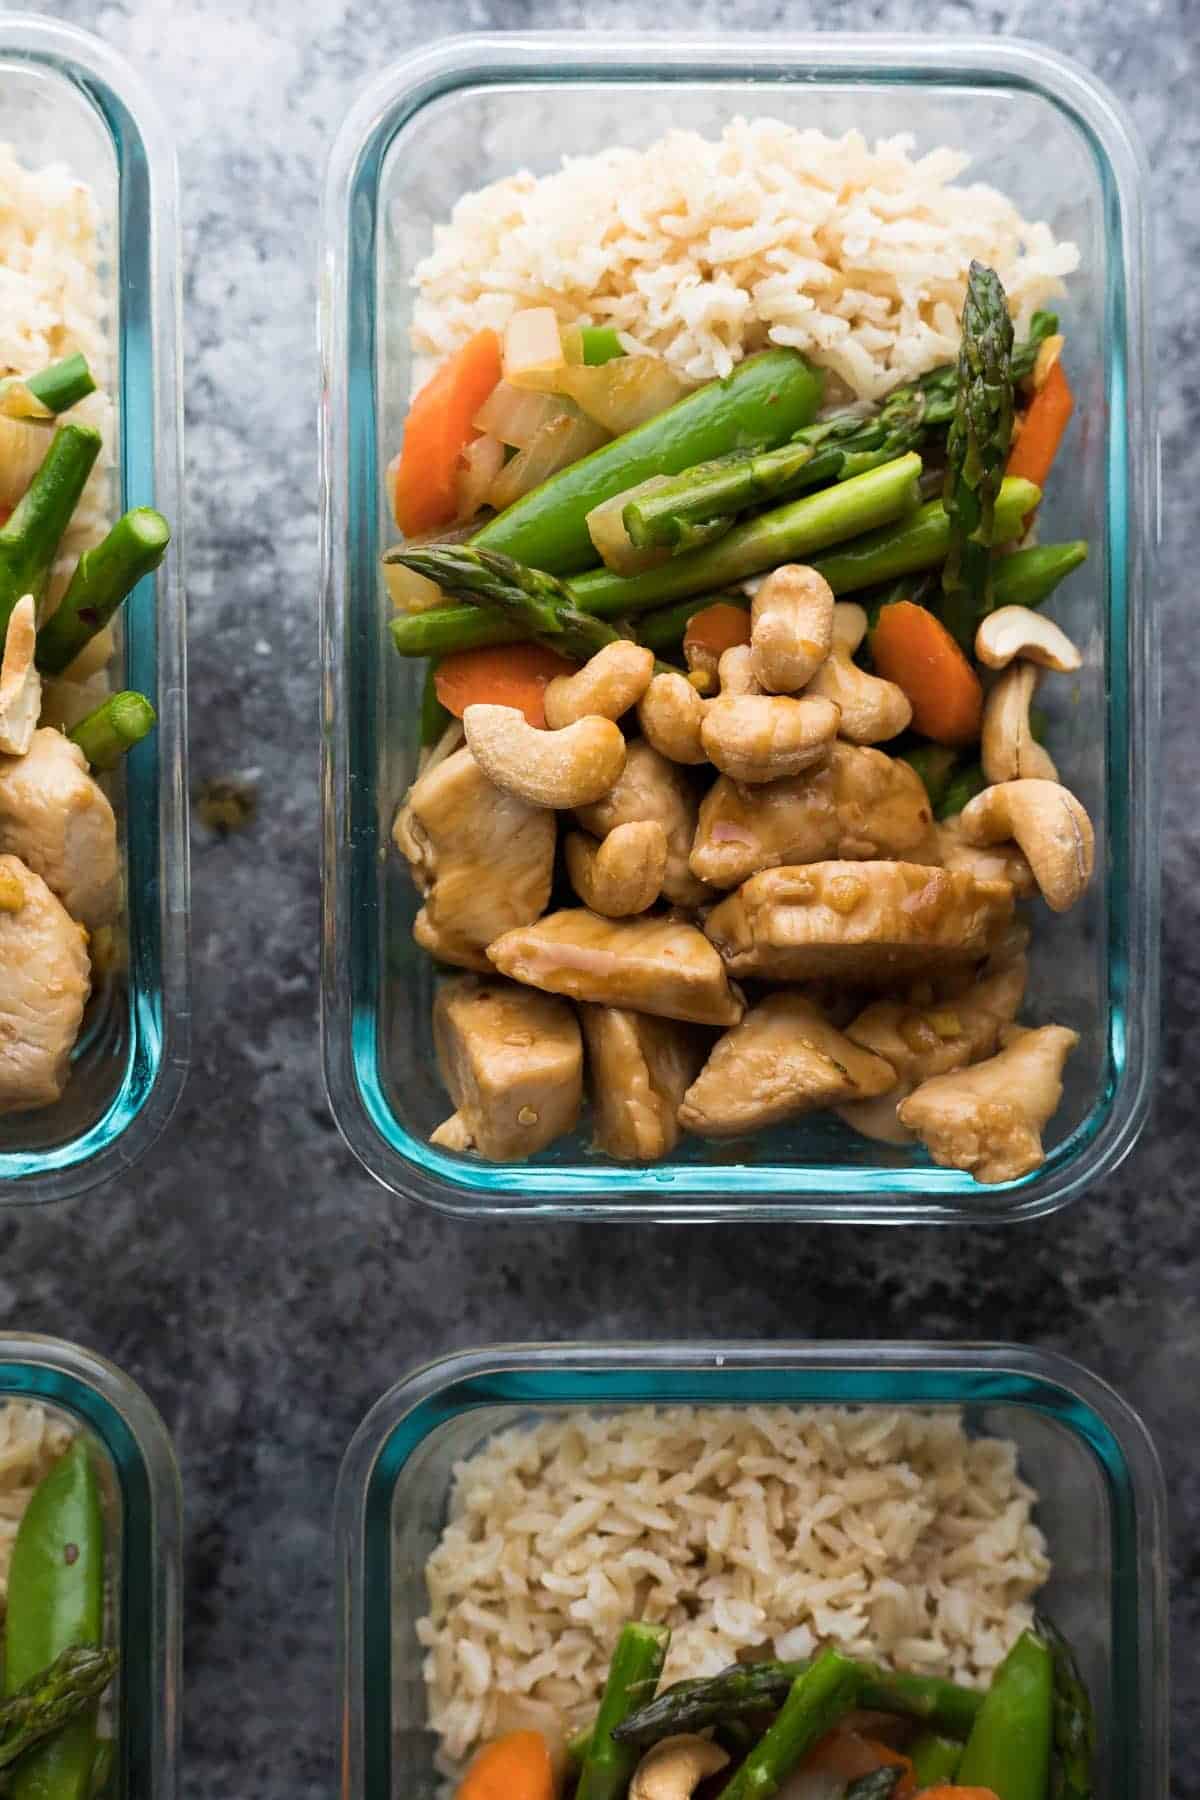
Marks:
<point>44,982</point>
<point>639,1070</point>
<point>55,816</point>
<point>512,1061</point>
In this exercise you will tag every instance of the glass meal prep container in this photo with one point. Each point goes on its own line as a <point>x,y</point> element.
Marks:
<point>470,110</point>
<point>66,98</point>
<point>143,1513</point>
<point>1089,1456</point>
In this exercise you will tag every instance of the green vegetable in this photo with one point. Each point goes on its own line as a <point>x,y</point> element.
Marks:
<point>1074,1748</point>
<point>1028,577</point>
<point>930,1698</point>
<point>52,390</point>
<point>935,764</point>
<point>962,787</point>
<point>103,1769</point>
<point>434,716</point>
<point>106,734</point>
<point>977,451</point>
<point>1008,1750</point>
<point>664,630</point>
<point>917,542</point>
<point>935,1759</point>
<point>765,399</point>
<point>633,1676</point>
<point>56,1603</point>
<point>29,541</point>
<point>103,578</point>
<point>880,1784</point>
<point>600,344</point>
<point>52,1699</point>
<point>815,1702</point>
<point>539,604</point>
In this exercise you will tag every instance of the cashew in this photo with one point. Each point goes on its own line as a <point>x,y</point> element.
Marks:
<point>572,767</point>
<point>873,710</point>
<point>1014,631</point>
<point>671,714</point>
<point>792,628</point>
<point>623,874</point>
<point>736,670</point>
<point>1008,749</point>
<point>20,683</point>
<point>675,1767</point>
<point>607,686</point>
<point>766,737</point>
<point>1049,825</point>
<point>1000,862</point>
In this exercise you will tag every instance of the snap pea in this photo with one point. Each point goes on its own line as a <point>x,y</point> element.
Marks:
<point>765,399</point>
<point>962,786</point>
<point>1008,1750</point>
<point>600,344</point>
<point>935,764</point>
<point>919,541</point>
<point>1028,577</point>
<point>56,1601</point>
<point>934,1759</point>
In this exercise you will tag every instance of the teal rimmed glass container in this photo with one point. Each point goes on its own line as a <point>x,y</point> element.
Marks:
<point>143,1508</point>
<point>67,98</point>
<point>1101,1508</point>
<point>468,110</point>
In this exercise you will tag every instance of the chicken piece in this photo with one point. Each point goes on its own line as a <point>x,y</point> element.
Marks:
<point>651,965</point>
<point>784,1059</point>
<point>640,1068</point>
<point>44,983</point>
<point>653,788</point>
<point>989,1119</point>
<point>483,860</point>
<point>921,1042</point>
<point>512,1061</point>
<point>56,817</point>
<point>862,921</point>
<point>995,862</point>
<point>865,805</point>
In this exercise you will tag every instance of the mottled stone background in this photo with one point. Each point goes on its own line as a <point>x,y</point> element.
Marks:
<point>247,1273</point>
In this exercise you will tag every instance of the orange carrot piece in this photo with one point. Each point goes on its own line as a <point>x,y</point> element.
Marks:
<point>499,675</point>
<point>424,478</point>
<point>1041,433</point>
<point>912,647</point>
<point>716,629</point>
<point>515,1767</point>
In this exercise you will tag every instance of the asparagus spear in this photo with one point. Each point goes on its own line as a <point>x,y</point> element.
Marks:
<point>816,1701</point>
<point>55,1696</point>
<point>103,578</point>
<point>977,451</point>
<point>1074,1746</point>
<point>113,728</point>
<point>539,604</point>
<point>52,390</point>
<point>29,541</point>
<point>831,450</point>
<point>632,1675</point>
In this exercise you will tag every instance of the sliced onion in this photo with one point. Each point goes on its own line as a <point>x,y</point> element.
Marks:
<point>606,528</point>
<point>562,441</point>
<point>572,343</point>
<point>624,393</point>
<point>17,401</point>
<point>23,449</point>
<point>516,415</point>
<point>479,464</point>
<point>532,345</point>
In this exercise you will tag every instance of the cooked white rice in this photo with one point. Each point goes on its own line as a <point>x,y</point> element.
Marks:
<point>51,304</point>
<point>702,251</point>
<point>31,1442</point>
<point>886,1533</point>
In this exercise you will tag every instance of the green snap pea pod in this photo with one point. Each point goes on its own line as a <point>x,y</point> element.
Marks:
<point>935,764</point>
<point>962,787</point>
<point>30,539</point>
<point>637,1663</point>
<point>935,1759</point>
<point>816,1701</point>
<point>1028,577</point>
<point>112,730</point>
<point>56,1601</point>
<point>54,389</point>
<point>920,541</point>
<point>928,1697</point>
<point>600,344</point>
<point>1008,1750</point>
<point>765,399</point>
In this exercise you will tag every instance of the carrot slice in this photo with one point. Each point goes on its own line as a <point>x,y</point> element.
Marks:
<point>716,629</point>
<point>846,1754</point>
<point>912,647</point>
<point>515,1767</point>
<point>1041,433</point>
<point>499,675</point>
<point>425,475</point>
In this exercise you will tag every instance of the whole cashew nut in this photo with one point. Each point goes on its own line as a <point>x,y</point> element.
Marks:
<point>736,671</point>
<point>873,710</point>
<point>1013,631</point>
<point>560,769</point>
<point>674,1768</point>
<point>623,874</point>
<point>671,714</point>
<point>607,685</point>
<point>791,630</point>
<point>1050,826</point>
<point>1008,749</point>
<point>765,737</point>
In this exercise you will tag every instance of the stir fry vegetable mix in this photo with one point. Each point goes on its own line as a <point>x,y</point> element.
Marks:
<point>832,1728</point>
<point>59,863</point>
<point>688,577</point>
<point>54,1667</point>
